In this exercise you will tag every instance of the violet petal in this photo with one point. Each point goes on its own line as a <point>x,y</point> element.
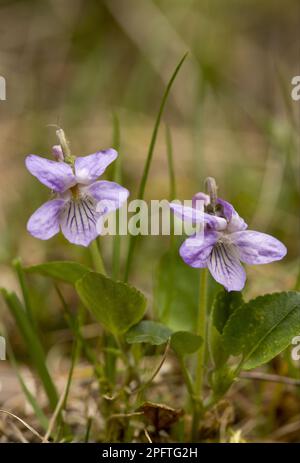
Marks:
<point>258,248</point>
<point>89,168</point>
<point>44,222</point>
<point>200,197</point>
<point>225,267</point>
<point>235,222</point>
<point>108,195</point>
<point>196,250</point>
<point>79,221</point>
<point>58,153</point>
<point>198,216</point>
<point>55,175</point>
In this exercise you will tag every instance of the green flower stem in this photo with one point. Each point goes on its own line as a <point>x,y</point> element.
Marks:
<point>201,330</point>
<point>131,372</point>
<point>117,177</point>
<point>187,379</point>
<point>17,264</point>
<point>103,343</point>
<point>97,257</point>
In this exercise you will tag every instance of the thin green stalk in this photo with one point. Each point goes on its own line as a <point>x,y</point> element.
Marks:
<point>17,264</point>
<point>297,285</point>
<point>33,344</point>
<point>91,357</point>
<point>97,257</point>
<point>172,194</point>
<point>140,390</point>
<point>88,429</point>
<point>117,177</point>
<point>187,379</point>
<point>141,191</point>
<point>75,355</point>
<point>123,353</point>
<point>116,135</point>
<point>43,420</point>
<point>169,145</point>
<point>201,330</point>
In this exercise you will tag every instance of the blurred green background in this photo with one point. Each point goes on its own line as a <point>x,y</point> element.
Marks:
<point>75,63</point>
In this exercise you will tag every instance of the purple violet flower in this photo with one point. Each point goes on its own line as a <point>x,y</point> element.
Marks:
<point>75,209</point>
<point>225,242</point>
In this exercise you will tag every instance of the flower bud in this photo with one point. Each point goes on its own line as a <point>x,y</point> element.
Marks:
<point>58,153</point>
<point>65,147</point>
<point>212,189</point>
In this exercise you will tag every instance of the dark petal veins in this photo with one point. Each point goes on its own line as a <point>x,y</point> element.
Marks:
<point>225,266</point>
<point>79,221</point>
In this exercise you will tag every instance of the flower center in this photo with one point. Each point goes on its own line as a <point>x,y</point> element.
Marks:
<point>225,239</point>
<point>75,192</point>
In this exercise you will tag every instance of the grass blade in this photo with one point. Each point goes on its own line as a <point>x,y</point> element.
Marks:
<point>118,179</point>
<point>33,344</point>
<point>17,264</point>
<point>141,191</point>
<point>43,420</point>
<point>170,164</point>
<point>90,355</point>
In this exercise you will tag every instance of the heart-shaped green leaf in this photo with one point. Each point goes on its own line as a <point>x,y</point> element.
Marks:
<point>185,343</point>
<point>69,272</point>
<point>148,331</point>
<point>225,303</point>
<point>116,305</point>
<point>262,328</point>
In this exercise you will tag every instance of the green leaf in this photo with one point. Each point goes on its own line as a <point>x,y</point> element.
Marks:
<point>224,304</point>
<point>262,328</point>
<point>69,272</point>
<point>176,304</point>
<point>185,343</point>
<point>116,305</point>
<point>33,344</point>
<point>148,331</point>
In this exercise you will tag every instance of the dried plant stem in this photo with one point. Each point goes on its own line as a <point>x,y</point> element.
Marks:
<point>61,404</point>
<point>147,436</point>
<point>144,386</point>
<point>55,414</point>
<point>270,378</point>
<point>23,422</point>
<point>158,368</point>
